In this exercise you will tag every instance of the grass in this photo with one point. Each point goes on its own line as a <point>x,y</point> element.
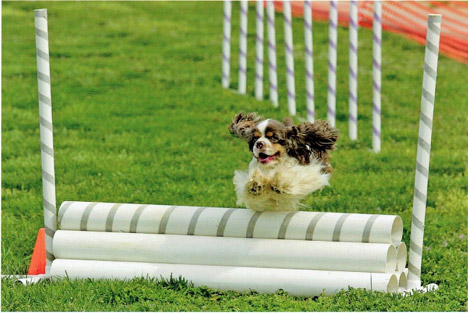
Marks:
<point>140,117</point>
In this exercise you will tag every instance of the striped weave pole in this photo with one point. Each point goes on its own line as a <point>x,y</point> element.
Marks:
<point>424,150</point>
<point>332,42</point>
<point>243,47</point>
<point>227,43</point>
<point>353,70</point>
<point>288,46</point>
<point>272,74</point>
<point>309,61</point>
<point>259,52</point>
<point>46,133</point>
<point>376,76</point>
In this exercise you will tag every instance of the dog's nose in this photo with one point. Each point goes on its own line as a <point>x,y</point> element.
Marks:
<point>259,144</point>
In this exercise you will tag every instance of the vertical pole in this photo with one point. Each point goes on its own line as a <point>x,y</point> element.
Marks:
<point>259,51</point>
<point>376,76</point>
<point>272,74</point>
<point>353,70</point>
<point>332,42</point>
<point>227,43</point>
<point>424,150</point>
<point>243,47</point>
<point>288,45</point>
<point>46,132</point>
<point>309,61</point>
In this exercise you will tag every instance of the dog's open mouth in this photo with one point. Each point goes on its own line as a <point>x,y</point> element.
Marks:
<point>265,158</point>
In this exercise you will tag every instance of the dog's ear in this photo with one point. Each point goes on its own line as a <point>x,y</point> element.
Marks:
<point>243,125</point>
<point>287,121</point>
<point>307,138</point>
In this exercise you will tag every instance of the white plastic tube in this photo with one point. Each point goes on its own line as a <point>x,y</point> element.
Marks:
<point>204,250</point>
<point>272,72</point>
<point>303,283</point>
<point>401,257</point>
<point>309,61</point>
<point>226,43</point>
<point>259,51</point>
<point>288,46</point>
<point>353,70</point>
<point>376,76</point>
<point>46,131</point>
<point>244,8</point>
<point>402,281</point>
<point>332,45</point>
<point>424,149</point>
<point>225,222</point>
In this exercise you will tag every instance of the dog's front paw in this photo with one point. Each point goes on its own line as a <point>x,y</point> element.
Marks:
<point>255,188</point>
<point>279,186</point>
<point>277,189</point>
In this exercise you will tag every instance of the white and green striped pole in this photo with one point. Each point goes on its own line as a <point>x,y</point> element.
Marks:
<point>288,46</point>
<point>226,42</point>
<point>309,61</point>
<point>376,76</point>
<point>243,47</point>
<point>259,51</point>
<point>424,150</point>
<point>332,43</point>
<point>272,72</point>
<point>353,70</point>
<point>46,132</point>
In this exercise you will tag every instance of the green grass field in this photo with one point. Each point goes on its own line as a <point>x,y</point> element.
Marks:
<point>140,117</point>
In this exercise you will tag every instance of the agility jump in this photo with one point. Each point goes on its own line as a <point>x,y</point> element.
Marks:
<point>303,253</point>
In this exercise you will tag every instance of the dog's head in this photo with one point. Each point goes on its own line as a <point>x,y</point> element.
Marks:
<point>270,140</point>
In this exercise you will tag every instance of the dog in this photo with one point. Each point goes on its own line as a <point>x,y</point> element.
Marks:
<point>289,161</point>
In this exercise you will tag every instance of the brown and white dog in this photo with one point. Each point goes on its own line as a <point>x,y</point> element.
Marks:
<point>289,162</point>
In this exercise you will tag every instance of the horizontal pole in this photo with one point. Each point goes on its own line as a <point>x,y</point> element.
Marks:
<point>230,222</point>
<point>303,283</point>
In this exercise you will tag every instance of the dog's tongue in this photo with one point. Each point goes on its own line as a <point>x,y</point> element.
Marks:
<point>268,159</point>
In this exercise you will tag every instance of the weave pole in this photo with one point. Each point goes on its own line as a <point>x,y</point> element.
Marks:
<point>288,46</point>
<point>424,150</point>
<point>46,132</point>
<point>243,47</point>
<point>332,42</point>
<point>376,76</point>
<point>227,43</point>
<point>272,73</point>
<point>259,51</point>
<point>353,70</point>
<point>309,61</point>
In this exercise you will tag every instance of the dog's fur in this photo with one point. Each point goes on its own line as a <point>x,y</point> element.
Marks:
<point>289,162</point>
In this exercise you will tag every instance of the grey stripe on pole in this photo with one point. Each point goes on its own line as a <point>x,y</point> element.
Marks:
<point>136,218</point>
<point>288,46</point>
<point>251,225</point>
<point>165,219</point>
<point>332,43</point>
<point>339,227</point>
<point>243,47</point>
<point>309,61</point>
<point>272,73</point>
<point>46,131</point>
<point>223,222</point>
<point>285,224</point>
<point>353,70</point>
<point>194,220</point>
<point>226,62</point>
<point>110,217</point>
<point>376,76</point>
<point>312,224</point>
<point>424,150</point>
<point>259,51</point>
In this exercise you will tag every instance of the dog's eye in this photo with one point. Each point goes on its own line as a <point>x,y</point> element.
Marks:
<point>272,137</point>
